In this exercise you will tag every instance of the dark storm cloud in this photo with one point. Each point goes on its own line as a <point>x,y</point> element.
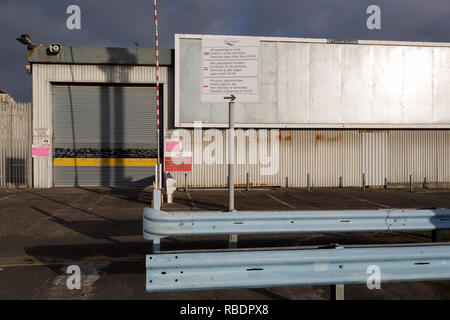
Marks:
<point>120,23</point>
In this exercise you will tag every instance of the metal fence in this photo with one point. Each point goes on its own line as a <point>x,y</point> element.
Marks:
<point>15,145</point>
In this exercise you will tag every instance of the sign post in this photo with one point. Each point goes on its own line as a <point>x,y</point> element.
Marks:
<point>232,239</point>
<point>230,68</point>
<point>231,153</point>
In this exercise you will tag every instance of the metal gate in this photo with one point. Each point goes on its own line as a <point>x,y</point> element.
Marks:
<point>15,155</point>
<point>104,135</point>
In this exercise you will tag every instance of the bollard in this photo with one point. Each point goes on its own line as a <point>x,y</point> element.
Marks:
<point>185,182</point>
<point>385,183</point>
<point>307,182</point>
<point>410,183</point>
<point>248,182</point>
<point>170,188</point>
<point>287,182</point>
<point>364,181</point>
<point>340,182</point>
<point>424,182</point>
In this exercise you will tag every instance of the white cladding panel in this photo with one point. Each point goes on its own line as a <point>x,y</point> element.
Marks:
<point>315,84</point>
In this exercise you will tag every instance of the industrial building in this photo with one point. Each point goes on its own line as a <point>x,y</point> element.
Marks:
<point>363,121</point>
<point>97,107</point>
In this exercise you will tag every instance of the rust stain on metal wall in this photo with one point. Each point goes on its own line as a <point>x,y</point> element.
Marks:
<point>332,139</point>
<point>287,139</point>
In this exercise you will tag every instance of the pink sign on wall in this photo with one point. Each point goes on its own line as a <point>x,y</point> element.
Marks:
<point>172,145</point>
<point>40,151</point>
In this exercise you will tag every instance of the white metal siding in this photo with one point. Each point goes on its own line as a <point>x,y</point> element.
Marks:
<point>329,154</point>
<point>420,154</point>
<point>374,156</point>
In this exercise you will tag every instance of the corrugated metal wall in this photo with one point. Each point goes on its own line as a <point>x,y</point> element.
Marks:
<point>15,144</point>
<point>421,154</point>
<point>45,75</point>
<point>375,156</point>
<point>328,155</point>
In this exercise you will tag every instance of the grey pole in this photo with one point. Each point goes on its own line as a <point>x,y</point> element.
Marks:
<point>156,204</point>
<point>231,157</point>
<point>410,183</point>
<point>232,241</point>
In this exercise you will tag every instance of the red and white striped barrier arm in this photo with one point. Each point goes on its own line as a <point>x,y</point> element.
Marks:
<point>157,87</point>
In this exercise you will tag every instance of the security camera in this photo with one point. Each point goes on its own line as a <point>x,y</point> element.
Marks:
<point>25,39</point>
<point>55,48</point>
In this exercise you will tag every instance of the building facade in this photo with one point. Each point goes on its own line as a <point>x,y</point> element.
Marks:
<point>96,107</point>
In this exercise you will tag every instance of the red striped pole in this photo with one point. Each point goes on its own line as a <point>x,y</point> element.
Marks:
<point>157,88</point>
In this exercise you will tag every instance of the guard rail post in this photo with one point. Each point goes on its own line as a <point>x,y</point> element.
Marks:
<point>156,205</point>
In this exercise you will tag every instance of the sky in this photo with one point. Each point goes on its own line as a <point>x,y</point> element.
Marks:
<point>120,23</point>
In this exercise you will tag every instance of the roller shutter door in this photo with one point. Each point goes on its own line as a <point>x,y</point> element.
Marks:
<point>104,135</point>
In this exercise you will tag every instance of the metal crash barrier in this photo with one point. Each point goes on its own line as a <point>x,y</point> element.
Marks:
<point>273,268</point>
<point>159,224</point>
<point>292,266</point>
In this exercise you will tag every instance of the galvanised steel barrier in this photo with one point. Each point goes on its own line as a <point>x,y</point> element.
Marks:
<point>291,267</point>
<point>159,224</point>
<point>294,267</point>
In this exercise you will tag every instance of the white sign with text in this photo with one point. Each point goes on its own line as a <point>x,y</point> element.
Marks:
<point>230,66</point>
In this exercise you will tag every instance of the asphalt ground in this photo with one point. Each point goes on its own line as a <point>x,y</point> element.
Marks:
<point>44,231</point>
